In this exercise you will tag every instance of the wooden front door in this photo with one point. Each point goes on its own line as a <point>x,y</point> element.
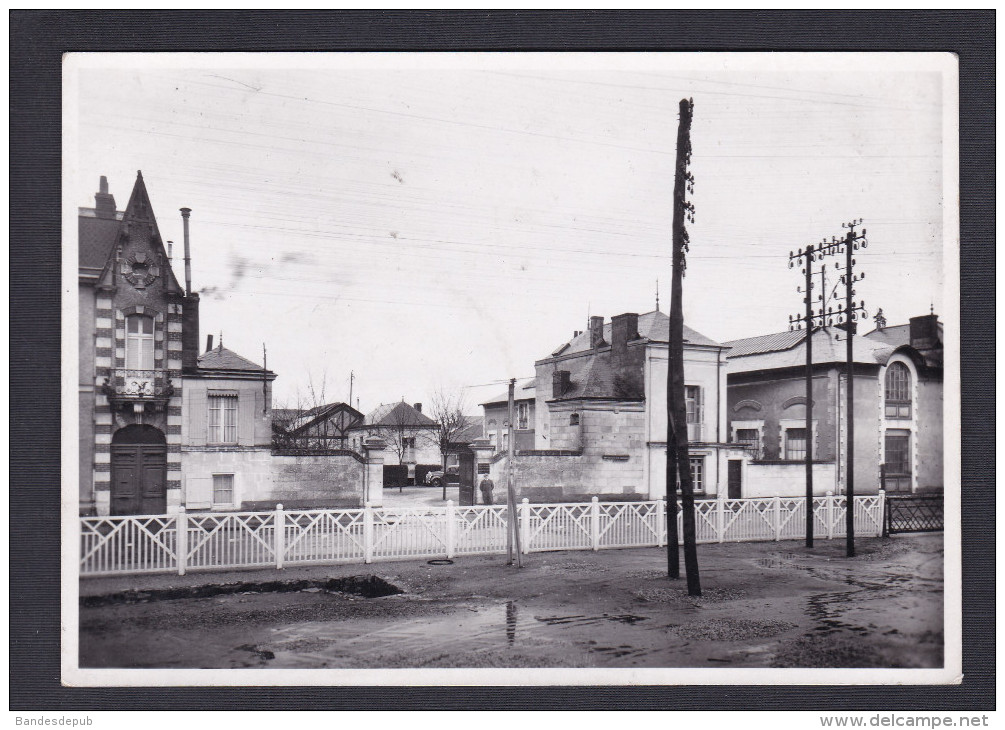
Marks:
<point>735,476</point>
<point>139,479</point>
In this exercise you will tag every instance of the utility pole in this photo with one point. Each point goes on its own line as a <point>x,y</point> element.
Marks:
<point>513,528</point>
<point>678,460</point>
<point>843,317</point>
<point>806,259</point>
<point>351,377</point>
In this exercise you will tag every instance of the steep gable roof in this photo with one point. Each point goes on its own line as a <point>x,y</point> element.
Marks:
<point>311,416</point>
<point>397,414</point>
<point>99,230</point>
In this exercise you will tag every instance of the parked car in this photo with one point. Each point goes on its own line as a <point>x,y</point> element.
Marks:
<point>435,478</point>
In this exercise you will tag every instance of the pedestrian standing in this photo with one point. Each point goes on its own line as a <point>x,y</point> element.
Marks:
<point>486,486</point>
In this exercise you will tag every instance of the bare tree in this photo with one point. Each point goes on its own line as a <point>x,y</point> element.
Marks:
<point>448,412</point>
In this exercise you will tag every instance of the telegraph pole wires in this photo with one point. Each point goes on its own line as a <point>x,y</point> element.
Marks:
<point>678,460</point>
<point>806,259</point>
<point>843,317</point>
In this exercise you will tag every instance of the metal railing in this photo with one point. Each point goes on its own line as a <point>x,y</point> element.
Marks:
<point>219,540</point>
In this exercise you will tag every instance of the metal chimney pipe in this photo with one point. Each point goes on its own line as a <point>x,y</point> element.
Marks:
<point>170,251</point>
<point>185,212</point>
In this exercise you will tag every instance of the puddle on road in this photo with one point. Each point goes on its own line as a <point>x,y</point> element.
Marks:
<point>591,620</point>
<point>368,586</point>
<point>505,626</point>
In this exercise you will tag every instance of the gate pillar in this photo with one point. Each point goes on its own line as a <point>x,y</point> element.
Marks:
<point>483,450</point>
<point>373,471</point>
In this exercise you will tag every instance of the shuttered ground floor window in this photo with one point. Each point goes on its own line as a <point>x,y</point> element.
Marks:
<point>223,489</point>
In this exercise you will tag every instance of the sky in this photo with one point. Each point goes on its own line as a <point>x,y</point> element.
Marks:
<point>437,222</point>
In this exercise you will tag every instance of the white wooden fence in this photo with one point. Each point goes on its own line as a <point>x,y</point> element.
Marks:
<point>214,540</point>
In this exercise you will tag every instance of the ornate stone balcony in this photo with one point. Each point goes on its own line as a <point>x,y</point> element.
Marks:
<point>138,386</point>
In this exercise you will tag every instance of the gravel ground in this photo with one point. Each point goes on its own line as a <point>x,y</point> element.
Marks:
<point>763,604</point>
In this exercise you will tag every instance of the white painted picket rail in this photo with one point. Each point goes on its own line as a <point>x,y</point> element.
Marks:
<point>215,540</point>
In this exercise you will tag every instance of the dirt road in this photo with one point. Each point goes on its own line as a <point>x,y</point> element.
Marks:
<point>764,605</point>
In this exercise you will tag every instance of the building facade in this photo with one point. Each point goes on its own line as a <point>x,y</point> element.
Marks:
<point>600,425</point>
<point>897,410</point>
<point>496,417</point>
<point>226,432</point>
<point>160,426</point>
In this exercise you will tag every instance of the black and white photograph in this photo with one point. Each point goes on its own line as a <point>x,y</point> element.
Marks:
<point>511,369</point>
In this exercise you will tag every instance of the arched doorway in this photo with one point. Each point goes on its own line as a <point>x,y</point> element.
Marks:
<point>139,471</point>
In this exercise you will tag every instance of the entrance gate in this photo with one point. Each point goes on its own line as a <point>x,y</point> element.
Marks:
<point>139,471</point>
<point>912,513</point>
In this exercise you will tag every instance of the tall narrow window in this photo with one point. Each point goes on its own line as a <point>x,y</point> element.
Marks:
<point>139,342</point>
<point>898,391</point>
<point>898,460</point>
<point>223,489</point>
<point>523,411</point>
<point>697,464</point>
<point>692,399</point>
<point>222,419</point>
<point>795,443</point>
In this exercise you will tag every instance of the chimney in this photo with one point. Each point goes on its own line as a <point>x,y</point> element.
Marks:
<point>104,202</point>
<point>185,213</point>
<point>624,329</point>
<point>597,333</point>
<point>560,383</point>
<point>190,333</point>
<point>418,407</point>
<point>209,342</point>
<point>925,332</point>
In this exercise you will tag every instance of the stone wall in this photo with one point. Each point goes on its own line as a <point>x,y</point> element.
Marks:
<point>317,481</point>
<point>601,456</point>
<point>786,480</point>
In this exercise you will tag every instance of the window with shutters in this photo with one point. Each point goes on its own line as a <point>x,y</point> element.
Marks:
<point>223,490</point>
<point>222,419</point>
<point>139,342</point>
<point>898,391</point>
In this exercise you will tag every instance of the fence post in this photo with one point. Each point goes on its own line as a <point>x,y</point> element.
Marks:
<point>367,533</point>
<point>661,520</point>
<point>830,515</point>
<point>595,523</point>
<point>777,506</point>
<point>181,538</point>
<point>524,518</point>
<point>720,519</point>
<point>884,524</point>
<point>279,532</point>
<point>450,527</point>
